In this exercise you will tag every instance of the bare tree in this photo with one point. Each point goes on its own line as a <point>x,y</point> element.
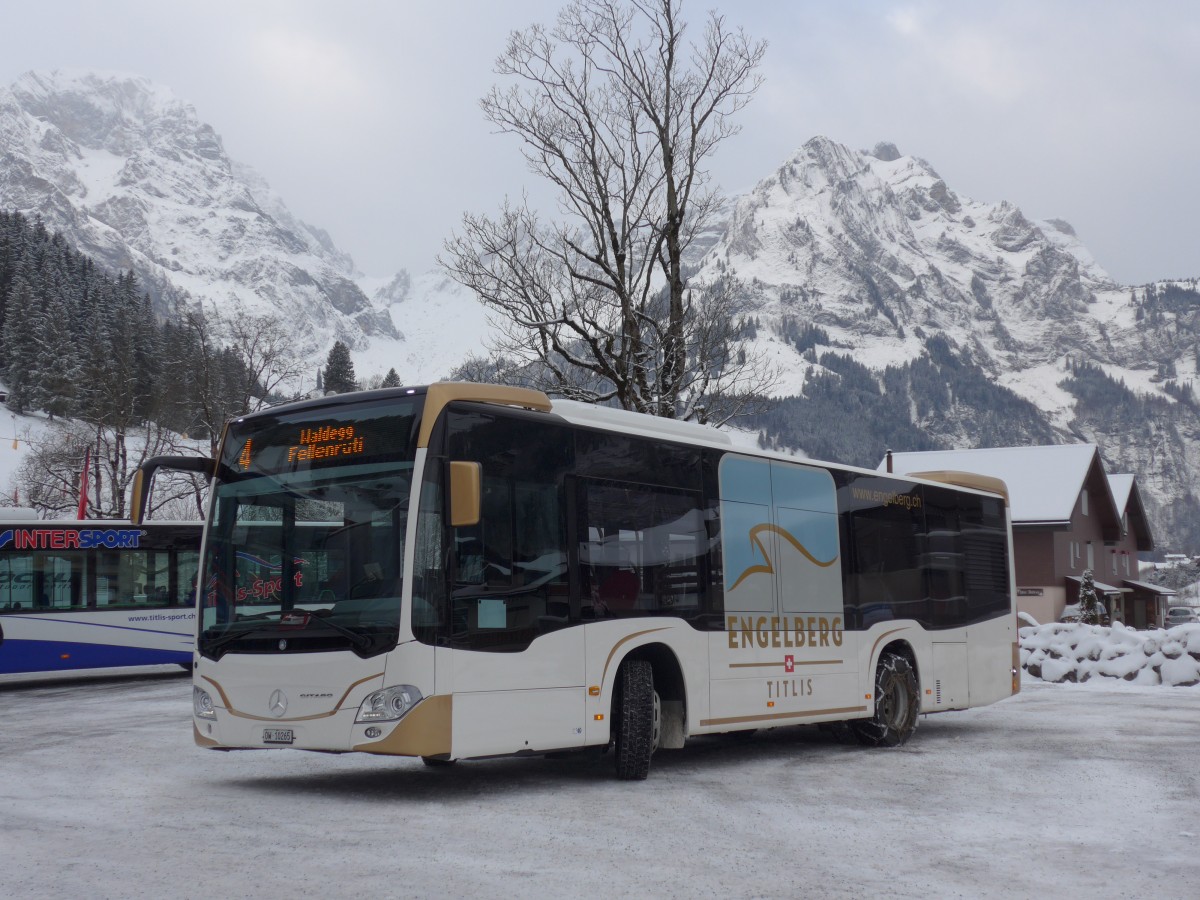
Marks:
<point>48,478</point>
<point>237,365</point>
<point>619,114</point>
<point>266,347</point>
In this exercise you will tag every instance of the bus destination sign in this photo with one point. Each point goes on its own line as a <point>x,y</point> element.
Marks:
<point>326,441</point>
<point>318,443</point>
<point>284,444</point>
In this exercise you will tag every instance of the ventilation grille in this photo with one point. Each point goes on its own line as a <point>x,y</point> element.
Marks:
<point>938,687</point>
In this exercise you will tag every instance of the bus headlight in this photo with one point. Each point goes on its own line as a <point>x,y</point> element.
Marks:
<point>202,704</point>
<point>389,704</point>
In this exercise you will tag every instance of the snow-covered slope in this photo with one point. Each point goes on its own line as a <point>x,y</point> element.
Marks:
<point>440,324</point>
<point>132,177</point>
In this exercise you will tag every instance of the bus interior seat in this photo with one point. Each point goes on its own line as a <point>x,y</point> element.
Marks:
<point>619,590</point>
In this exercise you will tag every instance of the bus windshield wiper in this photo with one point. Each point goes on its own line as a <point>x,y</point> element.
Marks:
<point>359,640</point>
<point>215,644</point>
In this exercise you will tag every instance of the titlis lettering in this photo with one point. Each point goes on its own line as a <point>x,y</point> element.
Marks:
<point>789,687</point>
<point>783,631</point>
<point>325,442</point>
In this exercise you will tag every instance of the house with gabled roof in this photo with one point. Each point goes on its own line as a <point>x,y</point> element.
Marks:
<point>1069,515</point>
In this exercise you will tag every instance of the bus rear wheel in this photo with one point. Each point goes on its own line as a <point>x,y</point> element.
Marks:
<point>635,720</point>
<point>897,704</point>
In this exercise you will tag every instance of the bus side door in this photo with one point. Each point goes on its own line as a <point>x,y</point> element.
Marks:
<point>785,655</point>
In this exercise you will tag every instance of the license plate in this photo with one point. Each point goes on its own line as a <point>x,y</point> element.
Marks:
<point>278,736</point>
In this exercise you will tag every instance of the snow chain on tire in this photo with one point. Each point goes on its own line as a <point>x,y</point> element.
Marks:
<point>897,705</point>
<point>634,720</point>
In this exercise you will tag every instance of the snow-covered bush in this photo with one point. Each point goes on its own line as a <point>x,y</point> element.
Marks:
<point>1077,652</point>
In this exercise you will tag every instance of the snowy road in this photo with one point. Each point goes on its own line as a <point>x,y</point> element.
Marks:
<point>1064,791</point>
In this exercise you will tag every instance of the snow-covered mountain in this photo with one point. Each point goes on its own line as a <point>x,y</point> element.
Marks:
<point>132,177</point>
<point>878,251</point>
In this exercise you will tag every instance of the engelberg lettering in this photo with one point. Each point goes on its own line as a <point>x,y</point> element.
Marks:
<point>783,631</point>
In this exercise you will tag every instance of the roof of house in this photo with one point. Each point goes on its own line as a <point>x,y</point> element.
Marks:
<point>1152,588</point>
<point>1044,483</point>
<point>1121,487</point>
<point>1129,505</point>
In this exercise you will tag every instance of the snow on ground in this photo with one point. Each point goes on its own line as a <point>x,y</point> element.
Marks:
<point>1076,652</point>
<point>1040,386</point>
<point>1087,790</point>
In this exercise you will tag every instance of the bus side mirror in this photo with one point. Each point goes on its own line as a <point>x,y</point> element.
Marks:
<point>143,478</point>
<point>137,503</point>
<point>466,492</point>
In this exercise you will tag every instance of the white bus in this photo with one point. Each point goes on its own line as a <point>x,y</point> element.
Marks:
<point>96,594</point>
<point>466,571</point>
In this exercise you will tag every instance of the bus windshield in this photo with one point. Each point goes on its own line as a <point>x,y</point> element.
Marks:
<point>306,542</point>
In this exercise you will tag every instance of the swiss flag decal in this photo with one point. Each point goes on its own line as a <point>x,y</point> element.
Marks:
<point>789,663</point>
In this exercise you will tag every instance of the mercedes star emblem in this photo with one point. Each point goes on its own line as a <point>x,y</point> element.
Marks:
<point>277,704</point>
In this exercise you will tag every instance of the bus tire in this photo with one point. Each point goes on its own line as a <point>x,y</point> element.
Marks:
<point>436,762</point>
<point>897,705</point>
<point>634,720</point>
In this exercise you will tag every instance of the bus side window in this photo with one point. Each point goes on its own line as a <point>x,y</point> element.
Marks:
<point>121,578</point>
<point>885,523</point>
<point>16,581</point>
<point>642,550</point>
<point>187,564</point>
<point>57,580</point>
<point>429,562</point>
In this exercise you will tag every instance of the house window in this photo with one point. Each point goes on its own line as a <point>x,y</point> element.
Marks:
<point>1091,564</point>
<point>1083,502</point>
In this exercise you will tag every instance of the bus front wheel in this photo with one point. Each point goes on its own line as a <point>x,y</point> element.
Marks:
<point>635,720</point>
<point>897,704</point>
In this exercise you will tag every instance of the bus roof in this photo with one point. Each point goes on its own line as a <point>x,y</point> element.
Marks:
<point>578,413</point>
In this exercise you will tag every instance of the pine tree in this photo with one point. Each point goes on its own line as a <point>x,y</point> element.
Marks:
<point>57,362</point>
<point>19,344</point>
<point>1089,603</point>
<point>339,370</point>
<point>390,380</point>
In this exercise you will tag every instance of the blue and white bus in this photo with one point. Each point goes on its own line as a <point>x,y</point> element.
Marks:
<point>96,594</point>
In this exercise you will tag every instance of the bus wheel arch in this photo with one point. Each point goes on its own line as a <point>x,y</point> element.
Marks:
<point>903,649</point>
<point>648,709</point>
<point>897,697</point>
<point>671,689</point>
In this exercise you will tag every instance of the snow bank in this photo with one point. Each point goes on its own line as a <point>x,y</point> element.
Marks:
<point>1076,652</point>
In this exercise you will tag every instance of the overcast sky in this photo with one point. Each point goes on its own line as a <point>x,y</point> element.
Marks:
<point>364,115</point>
